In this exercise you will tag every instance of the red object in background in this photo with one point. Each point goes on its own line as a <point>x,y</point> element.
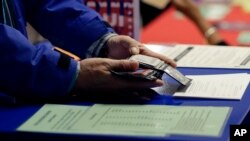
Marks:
<point>123,15</point>
<point>166,28</point>
<point>237,15</point>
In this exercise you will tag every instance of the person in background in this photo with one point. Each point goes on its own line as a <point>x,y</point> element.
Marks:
<point>43,71</point>
<point>189,9</point>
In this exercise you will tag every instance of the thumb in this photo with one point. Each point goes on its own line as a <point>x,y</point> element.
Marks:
<point>124,65</point>
<point>134,50</point>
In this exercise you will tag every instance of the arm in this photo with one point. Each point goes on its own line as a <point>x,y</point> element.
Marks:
<point>189,8</point>
<point>95,77</point>
<point>76,29</point>
<point>68,24</point>
<point>31,71</point>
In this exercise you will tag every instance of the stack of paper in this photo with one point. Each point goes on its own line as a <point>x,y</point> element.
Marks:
<point>205,56</point>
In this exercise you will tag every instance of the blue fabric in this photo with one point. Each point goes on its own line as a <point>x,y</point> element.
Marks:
<point>32,70</point>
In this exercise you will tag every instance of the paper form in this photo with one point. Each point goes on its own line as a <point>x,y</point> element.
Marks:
<point>159,48</point>
<point>220,86</point>
<point>54,118</point>
<point>135,120</point>
<point>206,56</point>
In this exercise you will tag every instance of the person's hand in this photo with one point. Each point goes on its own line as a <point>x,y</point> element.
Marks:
<point>122,47</point>
<point>95,76</point>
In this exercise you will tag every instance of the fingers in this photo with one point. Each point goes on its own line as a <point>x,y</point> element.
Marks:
<point>165,59</point>
<point>132,44</point>
<point>125,46</point>
<point>144,84</point>
<point>145,51</point>
<point>123,65</point>
<point>137,84</point>
<point>136,47</point>
<point>95,76</point>
<point>134,50</point>
<point>121,47</point>
<point>129,65</point>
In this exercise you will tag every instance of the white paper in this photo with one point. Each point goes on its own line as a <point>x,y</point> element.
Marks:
<point>228,86</point>
<point>205,56</point>
<point>159,48</point>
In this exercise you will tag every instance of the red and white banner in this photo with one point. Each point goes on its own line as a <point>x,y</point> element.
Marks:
<point>122,15</point>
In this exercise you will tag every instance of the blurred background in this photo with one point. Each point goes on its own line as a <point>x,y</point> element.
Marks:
<point>164,24</point>
<point>158,21</point>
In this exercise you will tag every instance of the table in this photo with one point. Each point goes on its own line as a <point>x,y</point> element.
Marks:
<point>11,117</point>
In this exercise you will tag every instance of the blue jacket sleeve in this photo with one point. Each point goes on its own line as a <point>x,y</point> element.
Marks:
<point>28,70</point>
<point>67,23</point>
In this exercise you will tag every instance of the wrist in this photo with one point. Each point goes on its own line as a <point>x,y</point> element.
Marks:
<point>209,32</point>
<point>212,36</point>
<point>105,47</point>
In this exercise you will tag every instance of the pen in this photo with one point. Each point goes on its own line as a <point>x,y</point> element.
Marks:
<point>71,55</point>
